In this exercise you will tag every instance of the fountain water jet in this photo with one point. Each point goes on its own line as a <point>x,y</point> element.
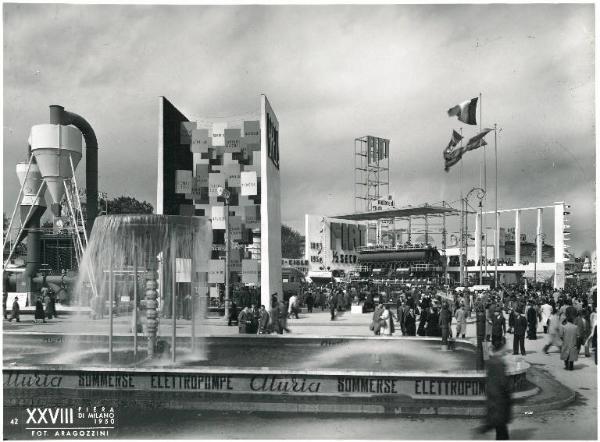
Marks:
<point>122,244</point>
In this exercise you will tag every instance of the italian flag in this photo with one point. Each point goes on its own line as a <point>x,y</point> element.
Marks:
<point>465,111</point>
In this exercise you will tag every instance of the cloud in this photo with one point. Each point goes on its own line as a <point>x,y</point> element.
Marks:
<point>332,73</point>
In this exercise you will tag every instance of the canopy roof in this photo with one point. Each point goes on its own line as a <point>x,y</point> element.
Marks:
<point>405,212</point>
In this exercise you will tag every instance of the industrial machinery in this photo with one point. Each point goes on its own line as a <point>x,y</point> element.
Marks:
<point>54,152</point>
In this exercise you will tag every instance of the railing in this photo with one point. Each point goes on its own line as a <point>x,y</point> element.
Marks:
<point>385,247</point>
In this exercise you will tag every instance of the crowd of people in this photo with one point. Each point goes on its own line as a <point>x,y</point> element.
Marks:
<point>45,307</point>
<point>567,318</point>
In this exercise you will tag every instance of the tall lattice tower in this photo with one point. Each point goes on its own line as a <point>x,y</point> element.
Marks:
<point>371,172</point>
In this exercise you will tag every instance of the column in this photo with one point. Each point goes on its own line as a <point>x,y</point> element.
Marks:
<point>477,238</point>
<point>517,237</point>
<point>538,238</point>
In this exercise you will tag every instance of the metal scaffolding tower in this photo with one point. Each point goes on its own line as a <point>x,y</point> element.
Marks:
<point>371,172</point>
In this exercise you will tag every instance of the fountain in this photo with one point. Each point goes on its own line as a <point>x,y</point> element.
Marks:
<point>157,246</point>
<point>98,363</point>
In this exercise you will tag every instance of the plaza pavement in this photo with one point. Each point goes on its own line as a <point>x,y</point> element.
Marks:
<point>578,420</point>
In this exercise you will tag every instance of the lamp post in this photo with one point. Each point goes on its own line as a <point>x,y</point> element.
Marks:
<point>480,196</point>
<point>543,236</point>
<point>223,192</point>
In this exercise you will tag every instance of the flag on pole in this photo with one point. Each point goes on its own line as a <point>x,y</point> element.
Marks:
<point>465,111</point>
<point>477,141</point>
<point>452,155</point>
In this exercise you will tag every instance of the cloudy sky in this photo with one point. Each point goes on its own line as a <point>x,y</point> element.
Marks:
<point>332,73</point>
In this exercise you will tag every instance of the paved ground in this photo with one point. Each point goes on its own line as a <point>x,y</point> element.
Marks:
<point>577,421</point>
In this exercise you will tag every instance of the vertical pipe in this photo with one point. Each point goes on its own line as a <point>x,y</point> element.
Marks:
<point>135,303</point>
<point>173,294</point>
<point>110,309</point>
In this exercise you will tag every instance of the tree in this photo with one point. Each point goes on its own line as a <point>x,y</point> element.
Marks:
<point>292,243</point>
<point>127,205</point>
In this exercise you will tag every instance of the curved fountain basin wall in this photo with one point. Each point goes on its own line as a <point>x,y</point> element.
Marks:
<point>427,390</point>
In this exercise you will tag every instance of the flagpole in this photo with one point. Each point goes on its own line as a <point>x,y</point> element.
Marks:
<point>497,242</point>
<point>462,223</point>
<point>484,181</point>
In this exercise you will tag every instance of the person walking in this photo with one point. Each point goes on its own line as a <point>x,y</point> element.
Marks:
<point>274,317</point>
<point>433,317</point>
<point>445,322</point>
<point>15,312</point>
<point>410,322</point>
<point>546,314</point>
<point>553,332</point>
<point>47,307</point>
<point>569,351</point>
<point>532,318</point>
<point>310,300</point>
<point>461,321</point>
<point>292,307</point>
<point>375,320</point>
<point>386,321</point>
<point>233,314</point>
<point>283,316</point>
<point>519,336</point>
<point>498,327</point>
<point>423,319</point>
<point>263,321</point>
<point>498,395</point>
<point>244,321</point>
<point>331,300</point>
<point>39,314</point>
<point>512,314</point>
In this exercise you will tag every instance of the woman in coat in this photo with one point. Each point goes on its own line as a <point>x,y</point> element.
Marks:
<point>39,311</point>
<point>409,322</point>
<point>569,351</point>
<point>375,321</point>
<point>423,321</point>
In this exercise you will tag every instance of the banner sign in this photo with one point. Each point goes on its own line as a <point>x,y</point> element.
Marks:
<point>218,217</point>
<point>416,387</point>
<point>200,141</point>
<point>235,228</point>
<point>183,181</point>
<point>215,180</point>
<point>183,270</point>
<point>249,183</point>
<point>232,174</point>
<point>250,271</point>
<point>232,140</point>
<point>252,132</point>
<point>216,271</point>
<point>378,149</point>
<point>218,134</point>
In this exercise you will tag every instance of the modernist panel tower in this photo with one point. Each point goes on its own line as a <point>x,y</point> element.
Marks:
<point>195,159</point>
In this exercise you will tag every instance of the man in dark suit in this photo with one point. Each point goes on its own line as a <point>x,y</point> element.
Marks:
<point>519,336</point>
